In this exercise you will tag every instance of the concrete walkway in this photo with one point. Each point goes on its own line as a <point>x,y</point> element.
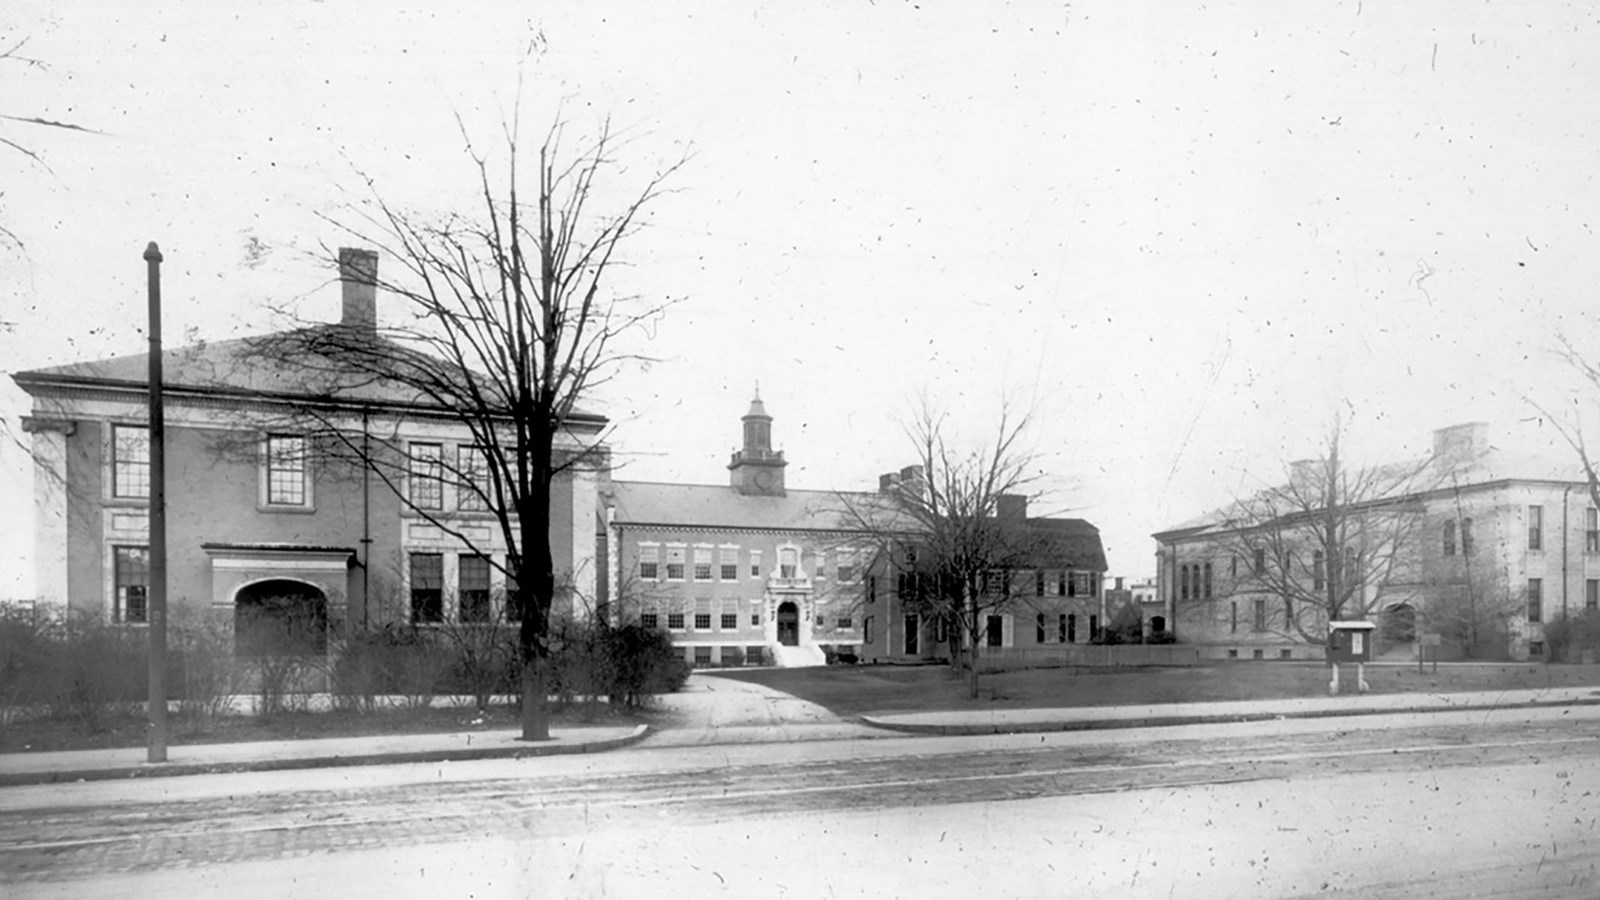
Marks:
<point>1017,721</point>
<point>712,710</point>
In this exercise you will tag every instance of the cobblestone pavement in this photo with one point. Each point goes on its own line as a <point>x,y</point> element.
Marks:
<point>55,844</point>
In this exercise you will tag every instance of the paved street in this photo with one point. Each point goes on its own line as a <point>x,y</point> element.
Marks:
<point>1451,804</point>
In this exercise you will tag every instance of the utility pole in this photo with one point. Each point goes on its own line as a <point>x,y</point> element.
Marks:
<point>157,607</point>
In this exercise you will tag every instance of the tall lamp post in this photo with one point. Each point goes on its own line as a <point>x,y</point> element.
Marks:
<point>156,602</point>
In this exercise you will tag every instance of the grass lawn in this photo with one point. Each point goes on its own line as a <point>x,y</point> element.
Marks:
<point>128,730</point>
<point>857,690</point>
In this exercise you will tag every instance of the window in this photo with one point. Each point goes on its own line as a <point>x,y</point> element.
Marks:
<point>1591,534</point>
<point>1072,628</point>
<point>1466,537</point>
<point>286,470</point>
<point>675,560</point>
<point>1536,648</point>
<point>427,492</point>
<point>1591,593</point>
<point>847,573</point>
<point>472,587</point>
<point>1261,614</point>
<point>1535,528</point>
<point>866,630</point>
<point>846,622</point>
<point>872,589</point>
<point>755,620</point>
<point>755,563</point>
<point>702,564</point>
<point>1261,561</point>
<point>755,655</point>
<point>729,566</point>
<point>1083,583</point>
<point>1288,610</point>
<point>819,566</point>
<point>1038,629</point>
<point>911,629</point>
<point>787,562</point>
<point>1183,582</point>
<point>702,656</point>
<point>427,588</point>
<point>1061,629</point>
<point>730,615</point>
<point>1233,617</point>
<point>1038,583</point>
<point>1094,628</point>
<point>994,631</point>
<point>702,614</point>
<point>650,619</point>
<point>675,621</point>
<point>649,563</point>
<point>1535,600</point>
<point>130,461</point>
<point>1449,537</point>
<point>132,579</point>
<point>1208,581</point>
<point>473,486</point>
<point>1319,562</point>
<point>1233,567</point>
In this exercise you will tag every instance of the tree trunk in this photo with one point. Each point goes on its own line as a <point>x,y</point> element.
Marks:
<point>535,713</point>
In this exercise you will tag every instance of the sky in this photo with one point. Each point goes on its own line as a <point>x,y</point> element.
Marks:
<point>1186,236</point>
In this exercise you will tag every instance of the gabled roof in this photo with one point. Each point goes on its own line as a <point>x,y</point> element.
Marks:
<point>282,366</point>
<point>720,506</point>
<point>1068,543</point>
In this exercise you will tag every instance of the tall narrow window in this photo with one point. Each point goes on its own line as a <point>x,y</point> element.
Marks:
<point>1233,617</point>
<point>1261,614</point>
<point>702,564</point>
<point>286,470</point>
<point>994,630</point>
<point>1261,561</point>
<point>1288,610</point>
<point>730,615</point>
<point>1466,537</point>
<point>1319,565</point>
<point>1038,583</point>
<point>1038,629</point>
<point>426,490</point>
<point>1535,528</point>
<point>649,563</point>
<point>1072,628</point>
<point>1591,534</point>
<point>427,588</point>
<point>472,485</point>
<point>787,562</point>
<point>729,564</point>
<point>130,461</point>
<point>132,578</point>
<point>755,563</point>
<point>1535,600</point>
<point>472,588</point>
<point>1183,582</point>
<point>1449,537</point>
<point>1591,594</point>
<point>1061,629</point>
<point>675,563</point>
<point>1208,581</point>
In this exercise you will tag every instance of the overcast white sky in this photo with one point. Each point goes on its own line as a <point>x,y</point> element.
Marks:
<point>1189,232</point>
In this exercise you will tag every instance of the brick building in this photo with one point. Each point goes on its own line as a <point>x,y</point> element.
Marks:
<point>256,515</point>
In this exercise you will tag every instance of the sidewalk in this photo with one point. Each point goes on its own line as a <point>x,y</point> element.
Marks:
<point>1019,721</point>
<point>203,759</point>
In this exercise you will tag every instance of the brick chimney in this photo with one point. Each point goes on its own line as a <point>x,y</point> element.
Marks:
<point>358,277</point>
<point>1011,506</point>
<point>1461,442</point>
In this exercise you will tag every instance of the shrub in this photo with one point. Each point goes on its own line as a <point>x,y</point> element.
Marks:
<point>210,679</point>
<point>1568,636</point>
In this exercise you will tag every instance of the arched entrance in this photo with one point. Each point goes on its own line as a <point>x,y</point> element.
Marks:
<point>280,618</point>
<point>1400,624</point>
<point>788,624</point>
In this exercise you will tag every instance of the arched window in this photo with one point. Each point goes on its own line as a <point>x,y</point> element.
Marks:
<point>1208,581</point>
<point>1449,537</point>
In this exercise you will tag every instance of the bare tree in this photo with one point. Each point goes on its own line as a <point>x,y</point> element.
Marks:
<point>512,321</point>
<point>1334,542</point>
<point>11,52</point>
<point>943,534</point>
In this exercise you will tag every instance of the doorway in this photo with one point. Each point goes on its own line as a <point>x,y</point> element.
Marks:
<point>788,624</point>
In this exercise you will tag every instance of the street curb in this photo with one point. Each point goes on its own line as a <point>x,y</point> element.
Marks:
<point>973,728</point>
<point>166,770</point>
